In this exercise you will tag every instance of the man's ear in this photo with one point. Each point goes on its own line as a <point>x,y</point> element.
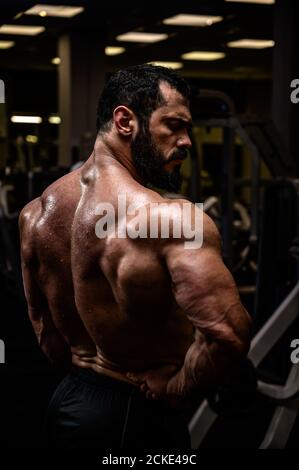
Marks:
<point>124,120</point>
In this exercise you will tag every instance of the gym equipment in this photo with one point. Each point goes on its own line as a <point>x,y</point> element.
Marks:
<point>279,234</point>
<point>278,228</point>
<point>272,150</point>
<point>10,266</point>
<point>286,397</point>
<point>212,109</point>
<point>212,207</point>
<point>278,273</point>
<point>241,230</point>
<point>16,189</point>
<point>39,180</point>
<point>238,393</point>
<point>207,103</point>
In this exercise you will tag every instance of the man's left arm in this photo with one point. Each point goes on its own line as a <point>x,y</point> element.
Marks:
<point>49,338</point>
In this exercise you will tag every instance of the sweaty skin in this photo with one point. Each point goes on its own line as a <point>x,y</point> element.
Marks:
<point>145,311</point>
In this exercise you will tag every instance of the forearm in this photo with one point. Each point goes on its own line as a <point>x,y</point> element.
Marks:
<point>222,340</point>
<point>55,348</point>
<point>49,338</point>
<point>206,365</point>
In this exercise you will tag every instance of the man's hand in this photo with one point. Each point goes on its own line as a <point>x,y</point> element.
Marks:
<point>154,383</point>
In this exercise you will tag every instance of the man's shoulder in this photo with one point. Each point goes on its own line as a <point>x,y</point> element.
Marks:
<point>162,221</point>
<point>29,214</point>
<point>27,223</point>
<point>189,226</point>
<point>179,212</point>
<point>62,188</point>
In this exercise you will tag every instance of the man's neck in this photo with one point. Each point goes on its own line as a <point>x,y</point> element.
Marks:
<point>106,152</point>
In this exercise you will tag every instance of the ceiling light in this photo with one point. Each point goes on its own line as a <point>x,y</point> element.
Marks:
<point>192,20</point>
<point>31,139</point>
<point>54,119</point>
<point>111,50</point>
<point>21,29</point>
<point>133,36</point>
<point>251,43</point>
<point>56,60</point>
<point>171,65</point>
<point>54,10</point>
<point>203,55</point>
<point>18,15</point>
<point>261,2</point>
<point>26,119</point>
<point>6,44</point>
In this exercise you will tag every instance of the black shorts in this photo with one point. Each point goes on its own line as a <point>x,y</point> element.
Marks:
<point>89,410</point>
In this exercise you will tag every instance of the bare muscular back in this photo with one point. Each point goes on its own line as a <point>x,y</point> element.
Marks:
<point>110,298</point>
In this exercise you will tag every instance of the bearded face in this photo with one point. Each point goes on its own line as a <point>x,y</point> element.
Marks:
<point>151,163</point>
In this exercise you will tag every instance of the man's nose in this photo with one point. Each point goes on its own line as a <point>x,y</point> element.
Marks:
<point>184,142</point>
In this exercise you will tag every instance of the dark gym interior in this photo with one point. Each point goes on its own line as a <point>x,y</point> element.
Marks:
<point>240,59</point>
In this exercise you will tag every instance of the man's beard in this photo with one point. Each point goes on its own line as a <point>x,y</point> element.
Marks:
<point>149,163</point>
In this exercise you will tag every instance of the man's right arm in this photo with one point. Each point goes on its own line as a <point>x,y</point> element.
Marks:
<point>205,290</point>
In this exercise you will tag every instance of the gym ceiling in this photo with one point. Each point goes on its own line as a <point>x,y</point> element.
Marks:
<point>103,21</point>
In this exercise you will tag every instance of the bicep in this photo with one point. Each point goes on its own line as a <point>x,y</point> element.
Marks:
<point>206,292</point>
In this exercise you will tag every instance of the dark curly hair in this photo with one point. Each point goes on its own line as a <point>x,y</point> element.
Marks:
<point>138,88</point>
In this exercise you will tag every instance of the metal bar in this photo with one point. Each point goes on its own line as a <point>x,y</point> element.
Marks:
<point>195,182</point>
<point>275,327</point>
<point>282,392</point>
<point>227,193</point>
<point>255,180</point>
<point>280,428</point>
<point>201,423</point>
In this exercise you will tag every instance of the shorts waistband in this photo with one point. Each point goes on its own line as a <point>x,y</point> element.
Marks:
<point>98,379</point>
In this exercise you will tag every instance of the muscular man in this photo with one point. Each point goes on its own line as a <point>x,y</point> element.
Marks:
<point>146,323</point>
